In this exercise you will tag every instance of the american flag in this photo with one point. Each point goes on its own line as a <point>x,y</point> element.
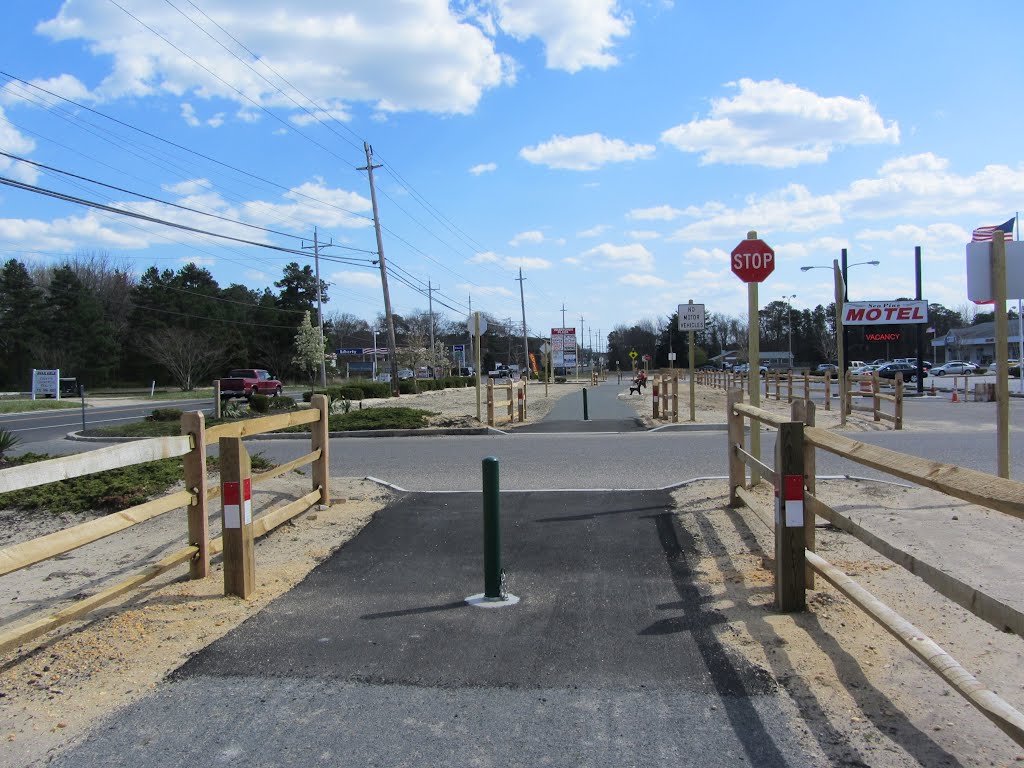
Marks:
<point>984,234</point>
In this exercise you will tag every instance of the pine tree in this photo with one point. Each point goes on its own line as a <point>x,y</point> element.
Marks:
<point>309,349</point>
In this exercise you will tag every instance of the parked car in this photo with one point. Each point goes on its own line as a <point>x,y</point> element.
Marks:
<point>909,371</point>
<point>246,382</point>
<point>954,368</point>
<point>385,377</point>
<point>827,369</point>
<point>861,370</point>
<point>404,374</point>
<point>745,368</point>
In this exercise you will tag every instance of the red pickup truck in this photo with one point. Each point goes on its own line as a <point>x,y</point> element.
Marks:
<point>246,382</point>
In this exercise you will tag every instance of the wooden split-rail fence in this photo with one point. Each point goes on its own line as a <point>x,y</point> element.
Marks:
<point>235,543</point>
<point>849,391</point>
<point>513,401</point>
<point>797,508</point>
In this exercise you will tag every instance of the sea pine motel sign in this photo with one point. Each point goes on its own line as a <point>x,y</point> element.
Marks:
<point>885,312</point>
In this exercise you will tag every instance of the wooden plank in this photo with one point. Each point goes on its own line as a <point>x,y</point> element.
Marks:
<point>15,636</point>
<point>271,520</point>
<point>194,423</point>
<point>28,553</point>
<point>755,464</point>
<point>759,414</point>
<point>262,477</point>
<point>1007,719</point>
<point>321,441</point>
<point>1003,617</point>
<point>761,511</point>
<point>261,425</point>
<point>980,488</point>
<point>737,474</point>
<point>886,416</point>
<point>236,518</point>
<point>90,462</point>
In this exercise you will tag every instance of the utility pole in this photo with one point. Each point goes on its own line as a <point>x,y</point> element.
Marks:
<point>430,303</point>
<point>392,345</point>
<point>526,338</point>
<point>469,329</point>
<point>563,314</point>
<point>579,349</point>
<point>320,306</point>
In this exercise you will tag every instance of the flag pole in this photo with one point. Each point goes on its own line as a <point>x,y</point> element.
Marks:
<point>1020,321</point>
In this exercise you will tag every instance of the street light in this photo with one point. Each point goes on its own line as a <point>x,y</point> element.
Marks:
<point>789,321</point>
<point>846,296</point>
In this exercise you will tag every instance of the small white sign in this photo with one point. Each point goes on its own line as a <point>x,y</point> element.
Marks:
<point>471,326</point>
<point>691,317</point>
<point>672,356</point>
<point>46,383</point>
<point>979,271</point>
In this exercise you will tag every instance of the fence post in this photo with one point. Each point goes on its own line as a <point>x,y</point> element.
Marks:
<point>193,423</point>
<point>899,401</point>
<point>737,470</point>
<point>675,400</point>
<point>804,411</point>
<point>490,402</point>
<point>790,562</point>
<point>236,518</point>
<point>876,404</point>
<point>320,432</point>
<point>521,397</point>
<point>217,403</point>
<point>511,403</point>
<point>789,386</point>
<point>828,391</point>
<point>778,386</point>
<point>654,395</point>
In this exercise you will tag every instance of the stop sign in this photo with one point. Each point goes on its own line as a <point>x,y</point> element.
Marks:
<point>753,261</point>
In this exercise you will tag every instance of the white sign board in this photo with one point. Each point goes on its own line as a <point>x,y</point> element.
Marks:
<point>563,347</point>
<point>885,312</point>
<point>979,271</point>
<point>672,356</point>
<point>46,383</point>
<point>691,317</point>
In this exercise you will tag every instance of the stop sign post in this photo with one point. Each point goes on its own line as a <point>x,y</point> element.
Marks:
<point>752,261</point>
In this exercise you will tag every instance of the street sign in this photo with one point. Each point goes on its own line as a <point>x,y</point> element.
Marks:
<point>545,348</point>
<point>632,354</point>
<point>885,312</point>
<point>691,317</point>
<point>470,327</point>
<point>647,358</point>
<point>753,261</point>
<point>458,347</point>
<point>350,351</point>
<point>672,356</point>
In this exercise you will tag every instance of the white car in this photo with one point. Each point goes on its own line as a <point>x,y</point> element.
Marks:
<point>865,369</point>
<point>954,368</point>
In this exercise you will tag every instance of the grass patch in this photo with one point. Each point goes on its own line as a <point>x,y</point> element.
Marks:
<point>23,405</point>
<point>106,492</point>
<point>202,393</point>
<point>379,418</point>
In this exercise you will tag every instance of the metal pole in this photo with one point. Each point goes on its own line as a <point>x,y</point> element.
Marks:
<point>526,338</point>
<point>919,326</point>
<point>586,413</point>
<point>846,298</point>
<point>81,393</point>
<point>492,530</point>
<point>754,369</point>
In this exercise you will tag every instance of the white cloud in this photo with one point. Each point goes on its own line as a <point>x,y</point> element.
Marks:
<point>199,261</point>
<point>531,237</point>
<point>643,281</point>
<point>942,233</point>
<point>576,33</point>
<point>492,290</point>
<point>485,257</point>
<point>704,256</point>
<point>393,54</point>
<point>359,279</point>
<point>633,256</point>
<point>188,114</point>
<point>584,153</point>
<point>657,213</point>
<point>480,168</point>
<point>17,143</point>
<point>780,125</point>
<point>643,234</point>
<point>597,231</point>
<point>509,262</point>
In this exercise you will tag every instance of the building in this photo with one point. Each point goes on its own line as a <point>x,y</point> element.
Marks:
<point>975,344</point>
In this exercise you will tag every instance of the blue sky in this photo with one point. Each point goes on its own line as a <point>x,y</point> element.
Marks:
<point>616,152</point>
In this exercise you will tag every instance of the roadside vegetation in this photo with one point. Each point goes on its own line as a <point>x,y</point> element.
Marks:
<point>23,405</point>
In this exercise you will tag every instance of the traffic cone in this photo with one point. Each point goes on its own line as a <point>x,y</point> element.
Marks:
<point>933,387</point>
<point>954,399</point>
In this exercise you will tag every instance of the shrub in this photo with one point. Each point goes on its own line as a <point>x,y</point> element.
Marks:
<point>373,388</point>
<point>259,404</point>
<point>232,410</point>
<point>559,379</point>
<point>281,403</point>
<point>380,418</point>
<point>165,414</point>
<point>351,393</point>
<point>407,387</point>
<point>7,441</point>
<point>307,397</point>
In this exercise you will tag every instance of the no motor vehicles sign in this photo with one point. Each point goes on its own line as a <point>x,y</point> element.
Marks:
<point>752,261</point>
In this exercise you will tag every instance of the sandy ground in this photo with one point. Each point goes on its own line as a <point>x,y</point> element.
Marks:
<point>865,700</point>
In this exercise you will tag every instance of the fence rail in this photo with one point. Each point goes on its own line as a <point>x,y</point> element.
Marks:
<point>196,496</point>
<point>793,527</point>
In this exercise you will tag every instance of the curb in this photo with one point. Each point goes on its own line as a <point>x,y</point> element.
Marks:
<point>443,431</point>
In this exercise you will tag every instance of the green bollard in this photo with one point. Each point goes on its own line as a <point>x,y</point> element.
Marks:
<point>492,531</point>
<point>586,416</point>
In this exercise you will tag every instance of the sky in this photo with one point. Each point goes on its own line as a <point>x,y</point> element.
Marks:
<point>615,152</point>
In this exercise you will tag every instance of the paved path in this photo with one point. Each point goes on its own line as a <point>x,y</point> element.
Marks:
<point>609,659</point>
<point>605,412</point>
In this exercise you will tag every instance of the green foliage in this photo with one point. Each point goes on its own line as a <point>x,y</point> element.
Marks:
<point>23,406</point>
<point>309,348</point>
<point>380,418</point>
<point>339,405</point>
<point>259,404</point>
<point>165,414</point>
<point>7,441</point>
<point>281,403</point>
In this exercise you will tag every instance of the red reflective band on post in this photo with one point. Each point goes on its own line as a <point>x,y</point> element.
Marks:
<point>793,499</point>
<point>231,495</point>
<point>247,499</point>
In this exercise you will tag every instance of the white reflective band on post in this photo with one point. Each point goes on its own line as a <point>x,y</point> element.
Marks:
<point>793,490</point>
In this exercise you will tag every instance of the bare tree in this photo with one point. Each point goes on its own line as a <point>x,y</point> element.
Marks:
<point>825,342</point>
<point>189,356</point>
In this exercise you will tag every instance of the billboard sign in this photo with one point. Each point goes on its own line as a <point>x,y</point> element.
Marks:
<point>563,347</point>
<point>885,312</point>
